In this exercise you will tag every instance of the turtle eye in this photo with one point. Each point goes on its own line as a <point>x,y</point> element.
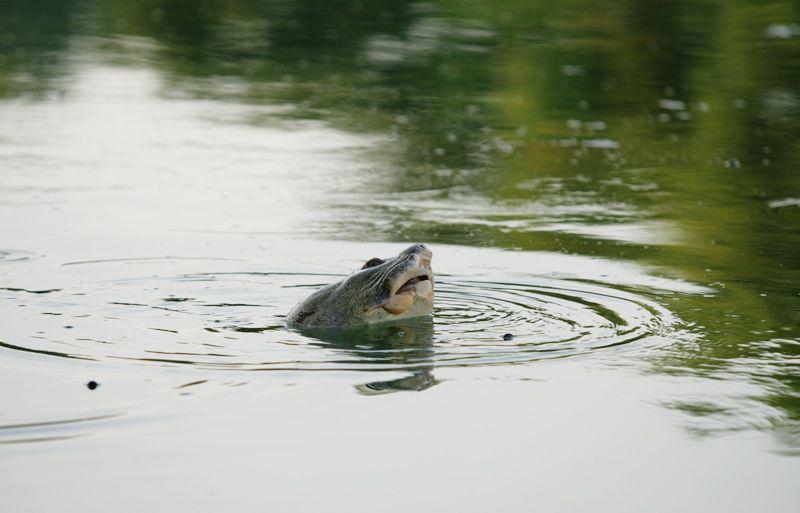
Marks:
<point>372,262</point>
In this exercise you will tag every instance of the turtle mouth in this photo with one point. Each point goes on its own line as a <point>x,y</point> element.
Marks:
<point>416,290</point>
<point>410,285</point>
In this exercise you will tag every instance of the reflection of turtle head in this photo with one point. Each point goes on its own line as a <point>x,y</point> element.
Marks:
<point>405,345</point>
<point>400,287</point>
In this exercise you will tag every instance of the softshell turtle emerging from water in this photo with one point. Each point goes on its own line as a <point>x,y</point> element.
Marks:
<point>400,287</point>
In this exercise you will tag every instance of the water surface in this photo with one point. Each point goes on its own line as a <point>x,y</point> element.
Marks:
<point>613,185</point>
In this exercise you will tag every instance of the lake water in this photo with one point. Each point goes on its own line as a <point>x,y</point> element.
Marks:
<point>613,184</point>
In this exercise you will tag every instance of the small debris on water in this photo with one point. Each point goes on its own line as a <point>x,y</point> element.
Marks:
<point>92,385</point>
<point>508,336</point>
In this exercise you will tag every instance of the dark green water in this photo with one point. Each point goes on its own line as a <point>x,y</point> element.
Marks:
<point>618,176</point>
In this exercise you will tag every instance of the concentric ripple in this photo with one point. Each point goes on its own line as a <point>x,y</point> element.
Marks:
<point>545,316</point>
<point>234,321</point>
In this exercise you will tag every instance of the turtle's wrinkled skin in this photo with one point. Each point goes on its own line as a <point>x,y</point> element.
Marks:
<point>400,287</point>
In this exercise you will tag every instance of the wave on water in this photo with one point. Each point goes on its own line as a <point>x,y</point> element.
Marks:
<point>234,321</point>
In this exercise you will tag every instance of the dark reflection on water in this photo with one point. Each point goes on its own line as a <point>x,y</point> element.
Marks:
<point>662,132</point>
<point>407,344</point>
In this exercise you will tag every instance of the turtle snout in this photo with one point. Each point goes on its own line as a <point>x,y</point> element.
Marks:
<point>418,249</point>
